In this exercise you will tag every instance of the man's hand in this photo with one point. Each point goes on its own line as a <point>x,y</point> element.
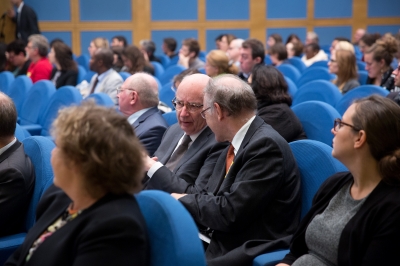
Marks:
<point>183,60</point>
<point>177,195</point>
<point>148,162</point>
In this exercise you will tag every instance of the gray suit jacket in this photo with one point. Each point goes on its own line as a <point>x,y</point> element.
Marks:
<point>203,153</point>
<point>108,85</point>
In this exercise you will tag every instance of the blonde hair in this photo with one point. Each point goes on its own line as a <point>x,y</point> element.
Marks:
<point>342,45</point>
<point>347,67</point>
<point>384,49</point>
<point>101,42</point>
<point>220,60</point>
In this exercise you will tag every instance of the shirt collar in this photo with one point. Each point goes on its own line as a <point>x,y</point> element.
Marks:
<point>133,117</point>
<point>20,7</point>
<point>2,150</point>
<point>239,136</point>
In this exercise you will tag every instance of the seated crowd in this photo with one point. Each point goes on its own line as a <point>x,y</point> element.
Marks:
<point>227,159</point>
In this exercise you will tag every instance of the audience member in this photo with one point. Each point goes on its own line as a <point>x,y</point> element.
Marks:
<point>354,219</point>
<point>234,51</point>
<point>186,146</point>
<point>294,49</point>
<point>138,100</point>
<point>17,175</point>
<point>395,94</point>
<point>17,57</point>
<point>25,20</point>
<point>344,45</point>
<point>90,216</point>
<point>311,37</point>
<point>251,54</point>
<point>378,59</point>
<point>134,61</point>
<point>336,41</point>
<point>97,43</point>
<point>169,47</point>
<point>65,71</point>
<point>106,79</point>
<point>358,35</point>
<point>148,49</point>
<point>36,50</point>
<point>274,101</point>
<point>217,63</point>
<point>313,54</point>
<point>118,63</point>
<point>178,78</point>
<point>278,54</point>
<point>256,178</point>
<point>293,38</point>
<point>343,64</point>
<point>188,54</point>
<point>118,41</point>
<point>225,41</point>
<point>273,39</point>
<point>367,40</point>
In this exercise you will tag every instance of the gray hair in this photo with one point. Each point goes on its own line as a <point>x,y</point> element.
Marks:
<point>232,94</point>
<point>237,43</point>
<point>40,42</point>
<point>147,88</point>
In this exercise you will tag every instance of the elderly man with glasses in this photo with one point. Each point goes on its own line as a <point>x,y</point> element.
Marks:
<point>186,146</point>
<point>138,100</point>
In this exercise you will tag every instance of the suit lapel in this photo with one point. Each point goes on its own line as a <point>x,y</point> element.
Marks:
<point>9,151</point>
<point>144,116</point>
<point>176,136</point>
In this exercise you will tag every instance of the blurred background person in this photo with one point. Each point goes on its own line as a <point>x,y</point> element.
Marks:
<point>273,39</point>
<point>118,63</point>
<point>294,49</point>
<point>274,101</point>
<point>37,50</point>
<point>234,51</point>
<point>189,54</point>
<point>77,222</point>
<point>311,37</point>
<point>119,41</point>
<point>134,61</point>
<point>65,70</point>
<point>278,54</point>
<point>169,46</point>
<point>358,35</point>
<point>17,57</point>
<point>355,215</point>
<point>148,49</point>
<point>313,53</point>
<point>217,63</point>
<point>25,19</point>
<point>343,64</point>
<point>96,44</point>
<point>366,41</point>
<point>223,41</point>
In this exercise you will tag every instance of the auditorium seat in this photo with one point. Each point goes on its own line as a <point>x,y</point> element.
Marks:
<point>166,95</point>
<point>322,63</point>
<point>21,133</point>
<point>317,120</point>
<point>19,90</point>
<point>297,63</point>
<point>81,73</point>
<point>172,233</point>
<point>292,88</point>
<point>124,75</point>
<point>357,93</point>
<point>170,118</point>
<point>318,90</point>
<point>362,77</point>
<point>164,60</point>
<point>315,162</point>
<point>158,69</point>
<point>83,60</point>
<point>101,99</point>
<point>314,73</point>
<point>170,73</point>
<point>38,150</point>
<point>290,72</point>
<point>6,79</point>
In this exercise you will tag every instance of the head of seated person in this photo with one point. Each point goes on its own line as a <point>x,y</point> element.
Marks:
<point>61,56</point>
<point>217,63</point>
<point>343,65</point>
<point>278,54</point>
<point>336,41</point>
<point>311,50</point>
<point>97,43</point>
<point>102,60</point>
<point>133,59</point>
<point>119,41</point>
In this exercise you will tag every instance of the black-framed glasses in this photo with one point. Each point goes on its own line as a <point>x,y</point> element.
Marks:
<point>203,113</point>
<point>120,89</point>
<point>338,123</point>
<point>190,107</point>
<point>333,60</point>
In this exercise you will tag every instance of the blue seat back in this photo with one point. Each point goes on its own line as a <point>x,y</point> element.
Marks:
<point>318,90</point>
<point>362,77</point>
<point>315,162</point>
<point>267,60</point>
<point>322,63</point>
<point>124,75</point>
<point>158,69</point>
<point>202,55</point>
<point>63,97</point>
<point>170,72</point>
<point>166,95</point>
<point>83,60</point>
<point>173,62</point>
<point>172,232</point>
<point>292,88</point>
<point>6,79</point>
<point>21,133</point>
<point>202,70</point>
<point>361,65</point>
<point>19,90</point>
<point>164,60</point>
<point>38,150</point>
<point>88,76</point>
<point>314,73</point>
<point>297,63</point>
<point>289,71</point>
<point>101,99</point>
<point>357,93</point>
<point>317,120</point>
<point>81,73</point>
<point>36,102</point>
<point>170,118</point>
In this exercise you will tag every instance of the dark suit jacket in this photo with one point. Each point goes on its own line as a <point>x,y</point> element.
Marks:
<point>17,181</point>
<point>28,23</point>
<point>258,199</point>
<point>110,232</point>
<point>204,151</point>
<point>69,77</point>
<point>150,128</point>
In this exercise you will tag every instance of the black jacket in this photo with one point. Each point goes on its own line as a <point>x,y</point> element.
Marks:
<point>28,23</point>
<point>69,77</point>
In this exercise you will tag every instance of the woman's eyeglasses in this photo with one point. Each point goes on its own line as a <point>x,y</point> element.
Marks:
<point>338,123</point>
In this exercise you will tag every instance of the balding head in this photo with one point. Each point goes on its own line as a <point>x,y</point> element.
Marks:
<point>8,118</point>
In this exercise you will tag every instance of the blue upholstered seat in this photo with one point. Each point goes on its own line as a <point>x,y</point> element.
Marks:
<point>318,90</point>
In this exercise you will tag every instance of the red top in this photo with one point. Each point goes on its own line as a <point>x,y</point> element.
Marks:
<point>40,70</point>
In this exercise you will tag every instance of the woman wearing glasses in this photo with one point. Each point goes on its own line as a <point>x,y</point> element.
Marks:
<point>343,65</point>
<point>355,216</point>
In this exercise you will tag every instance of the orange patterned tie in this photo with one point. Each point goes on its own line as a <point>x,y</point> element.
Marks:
<point>229,157</point>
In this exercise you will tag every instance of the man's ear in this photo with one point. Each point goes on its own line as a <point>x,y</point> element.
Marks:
<point>192,54</point>
<point>257,60</point>
<point>220,113</point>
<point>134,97</point>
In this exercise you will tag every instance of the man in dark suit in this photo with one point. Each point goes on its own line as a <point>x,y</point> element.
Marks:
<point>138,100</point>
<point>254,189</point>
<point>202,149</point>
<point>17,175</point>
<point>25,19</point>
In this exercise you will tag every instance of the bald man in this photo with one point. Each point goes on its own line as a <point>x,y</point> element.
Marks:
<point>169,173</point>
<point>138,100</point>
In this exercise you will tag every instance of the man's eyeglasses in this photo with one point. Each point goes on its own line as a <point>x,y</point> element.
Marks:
<point>338,123</point>
<point>120,89</point>
<point>190,107</point>
<point>203,113</point>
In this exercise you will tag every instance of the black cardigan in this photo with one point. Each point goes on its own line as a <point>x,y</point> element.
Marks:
<point>371,237</point>
<point>67,77</point>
